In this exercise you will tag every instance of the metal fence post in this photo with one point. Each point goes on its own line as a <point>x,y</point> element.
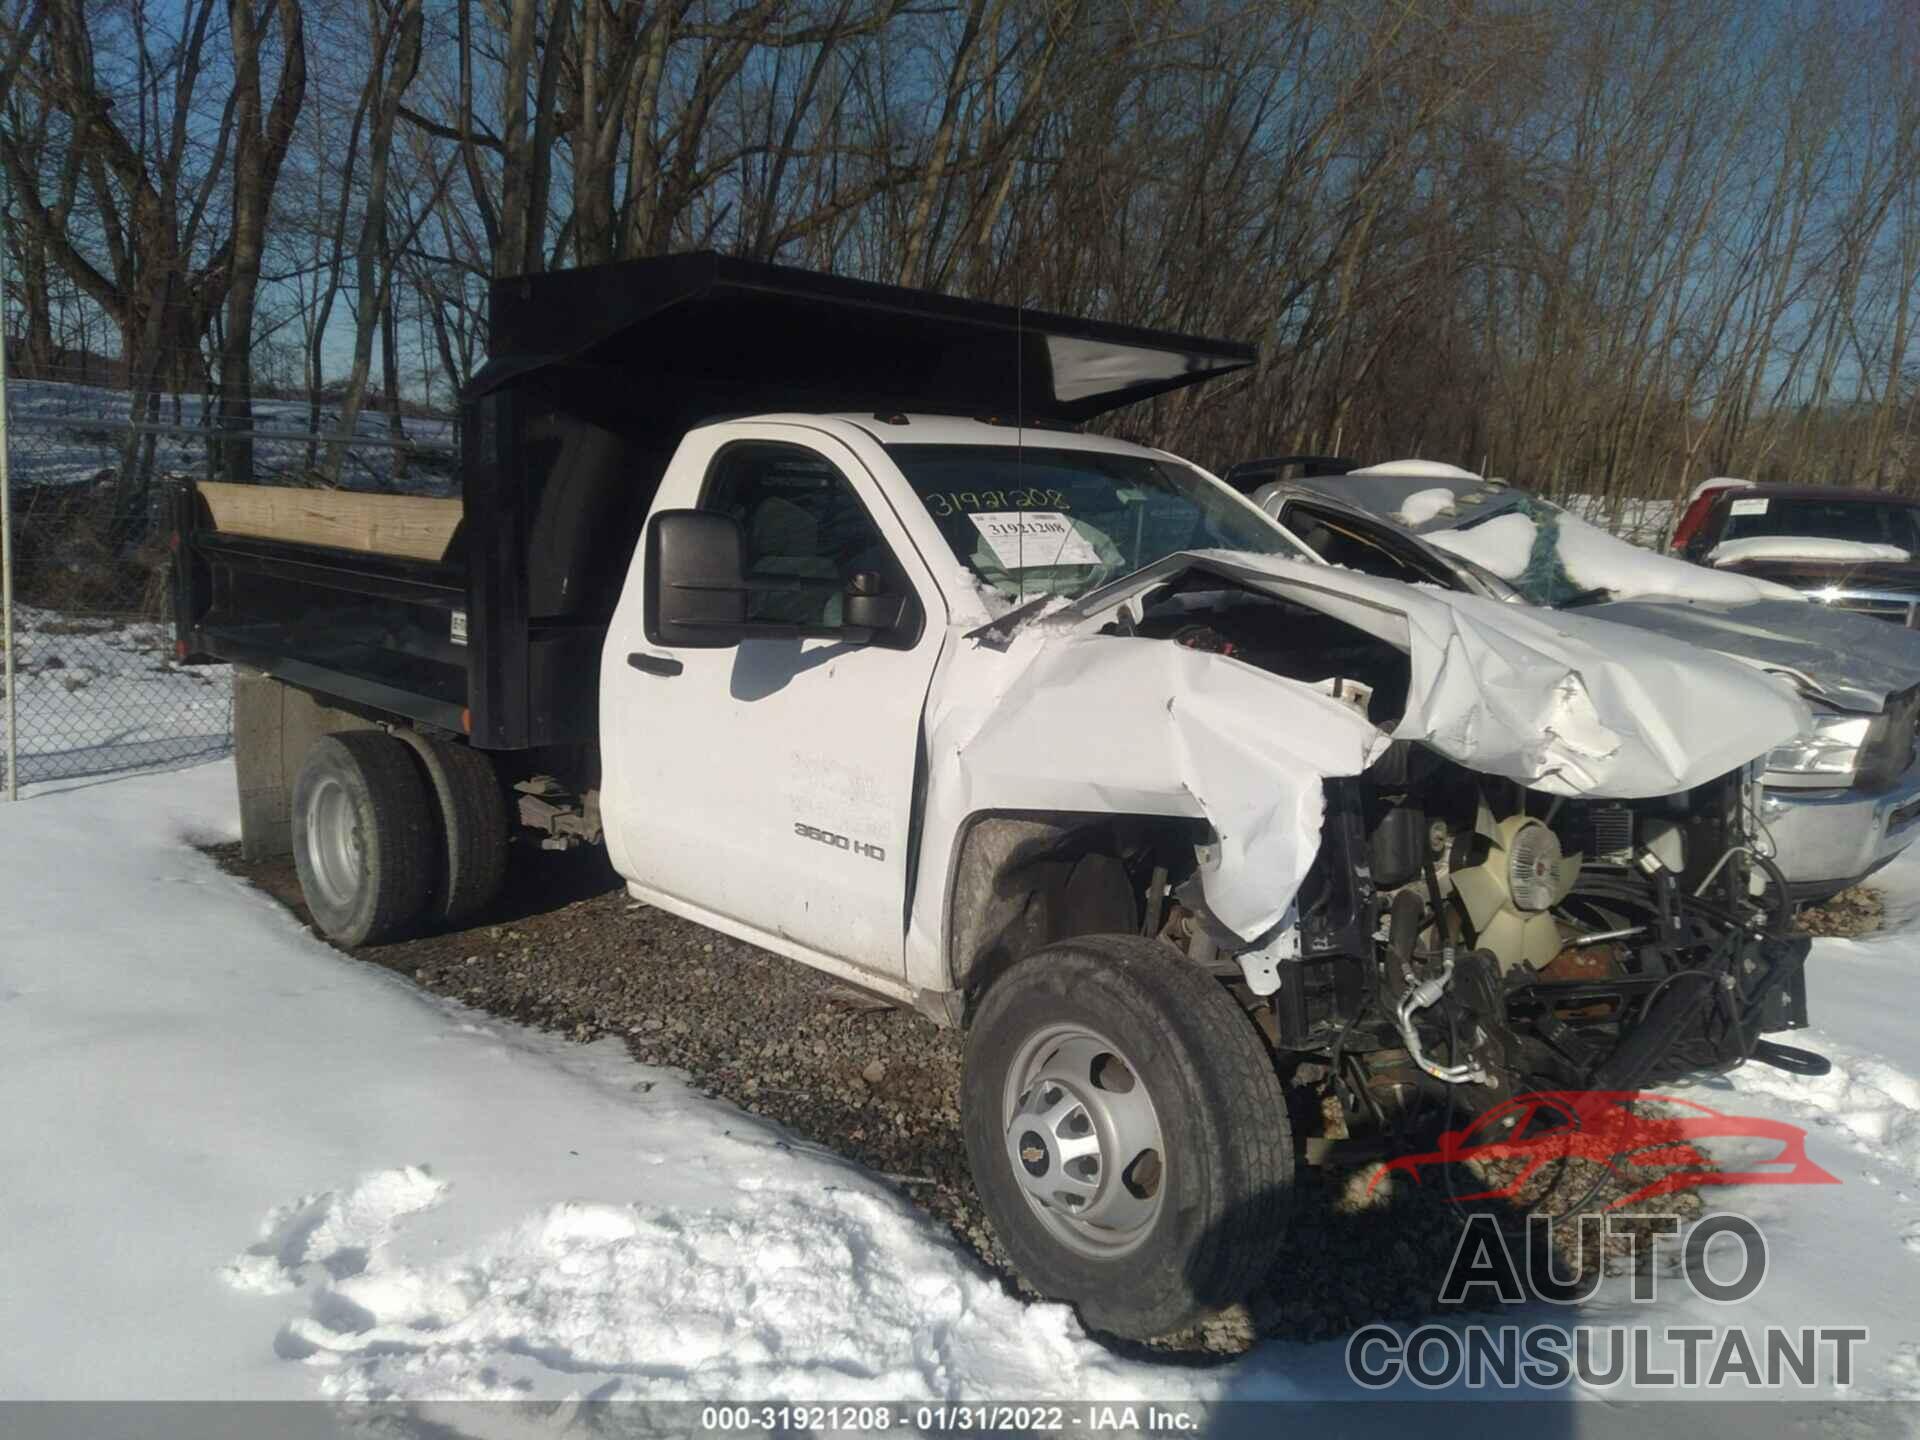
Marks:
<point>6,545</point>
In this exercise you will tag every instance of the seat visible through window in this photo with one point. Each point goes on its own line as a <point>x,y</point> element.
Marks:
<point>807,534</point>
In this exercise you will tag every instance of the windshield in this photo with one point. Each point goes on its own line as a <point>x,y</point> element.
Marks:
<point>1862,520</point>
<point>1532,548</point>
<point>1029,521</point>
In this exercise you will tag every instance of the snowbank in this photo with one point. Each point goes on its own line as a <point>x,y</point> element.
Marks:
<point>1803,547</point>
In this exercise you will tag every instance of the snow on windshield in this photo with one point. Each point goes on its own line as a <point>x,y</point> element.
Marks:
<point>1551,556</point>
<point>1503,544</point>
<point>1028,521</point>
<point>1425,505</point>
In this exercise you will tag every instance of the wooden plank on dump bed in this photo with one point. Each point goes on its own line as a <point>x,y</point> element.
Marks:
<point>415,526</point>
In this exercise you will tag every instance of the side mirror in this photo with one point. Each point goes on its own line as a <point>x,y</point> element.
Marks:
<point>696,589</point>
<point>864,607</point>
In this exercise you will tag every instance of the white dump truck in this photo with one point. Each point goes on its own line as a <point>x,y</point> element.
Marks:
<point>808,599</point>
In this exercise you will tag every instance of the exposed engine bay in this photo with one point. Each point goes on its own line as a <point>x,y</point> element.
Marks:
<point>1461,937</point>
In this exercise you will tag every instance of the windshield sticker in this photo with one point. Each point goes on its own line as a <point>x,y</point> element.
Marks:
<point>960,502</point>
<point>1034,539</point>
<point>1749,507</point>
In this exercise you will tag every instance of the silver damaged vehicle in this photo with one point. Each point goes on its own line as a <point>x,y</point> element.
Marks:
<point>1841,799</point>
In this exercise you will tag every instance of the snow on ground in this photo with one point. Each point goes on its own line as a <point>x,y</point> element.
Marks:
<point>98,696</point>
<point>242,1165</point>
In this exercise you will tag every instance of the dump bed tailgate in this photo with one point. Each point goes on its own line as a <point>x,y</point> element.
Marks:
<point>288,581</point>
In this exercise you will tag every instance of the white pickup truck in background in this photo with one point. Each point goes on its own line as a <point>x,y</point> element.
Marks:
<point>891,670</point>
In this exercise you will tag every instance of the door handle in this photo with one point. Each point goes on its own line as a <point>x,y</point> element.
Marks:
<point>655,664</point>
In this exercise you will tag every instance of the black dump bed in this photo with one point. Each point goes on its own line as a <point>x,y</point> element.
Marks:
<point>594,375</point>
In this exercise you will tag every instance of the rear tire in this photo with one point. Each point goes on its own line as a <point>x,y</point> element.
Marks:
<point>1060,1046</point>
<point>363,837</point>
<point>473,828</point>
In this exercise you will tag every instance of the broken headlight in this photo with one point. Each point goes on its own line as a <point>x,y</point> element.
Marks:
<point>1826,753</point>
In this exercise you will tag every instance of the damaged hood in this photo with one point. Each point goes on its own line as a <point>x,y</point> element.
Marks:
<point>1550,699</point>
<point>1051,715</point>
<point>1848,661</point>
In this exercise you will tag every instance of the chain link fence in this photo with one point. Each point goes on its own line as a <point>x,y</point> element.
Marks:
<point>97,689</point>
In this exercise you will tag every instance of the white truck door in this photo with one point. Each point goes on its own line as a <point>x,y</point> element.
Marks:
<point>767,788</point>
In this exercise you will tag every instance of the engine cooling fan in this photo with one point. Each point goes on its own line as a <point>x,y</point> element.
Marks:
<point>1510,893</point>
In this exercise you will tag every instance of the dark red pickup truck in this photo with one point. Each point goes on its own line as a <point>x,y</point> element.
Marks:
<point>1852,549</point>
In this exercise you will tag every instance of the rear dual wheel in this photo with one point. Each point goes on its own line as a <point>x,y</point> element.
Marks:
<point>472,818</point>
<point>392,834</point>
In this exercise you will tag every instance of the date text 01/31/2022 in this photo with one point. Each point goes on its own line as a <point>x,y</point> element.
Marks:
<point>957,1418</point>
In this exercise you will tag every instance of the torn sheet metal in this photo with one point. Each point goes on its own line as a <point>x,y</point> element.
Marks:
<point>1121,726</point>
<point>1063,718</point>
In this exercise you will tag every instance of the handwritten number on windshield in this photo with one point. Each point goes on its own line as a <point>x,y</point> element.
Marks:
<point>958,502</point>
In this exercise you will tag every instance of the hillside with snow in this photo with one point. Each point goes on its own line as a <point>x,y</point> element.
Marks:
<point>65,434</point>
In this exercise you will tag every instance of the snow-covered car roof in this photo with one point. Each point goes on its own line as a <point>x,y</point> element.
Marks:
<point>1542,549</point>
<point>1846,660</point>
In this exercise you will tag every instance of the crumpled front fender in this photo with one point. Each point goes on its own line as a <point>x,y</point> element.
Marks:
<point>1062,719</point>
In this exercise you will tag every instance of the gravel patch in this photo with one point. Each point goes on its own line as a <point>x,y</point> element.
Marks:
<point>567,950</point>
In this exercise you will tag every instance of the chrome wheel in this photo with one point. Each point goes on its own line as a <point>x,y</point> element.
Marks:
<point>333,843</point>
<point>1084,1140</point>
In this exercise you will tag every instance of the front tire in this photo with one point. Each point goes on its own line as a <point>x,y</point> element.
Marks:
<point>1128,1134</point>
<point>364,838</point>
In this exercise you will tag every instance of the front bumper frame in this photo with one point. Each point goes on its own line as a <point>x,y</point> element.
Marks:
<point>1826,840</point>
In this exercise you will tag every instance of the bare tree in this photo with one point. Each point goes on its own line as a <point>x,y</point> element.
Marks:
<point>259,151</point>
<point>396,60</point>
